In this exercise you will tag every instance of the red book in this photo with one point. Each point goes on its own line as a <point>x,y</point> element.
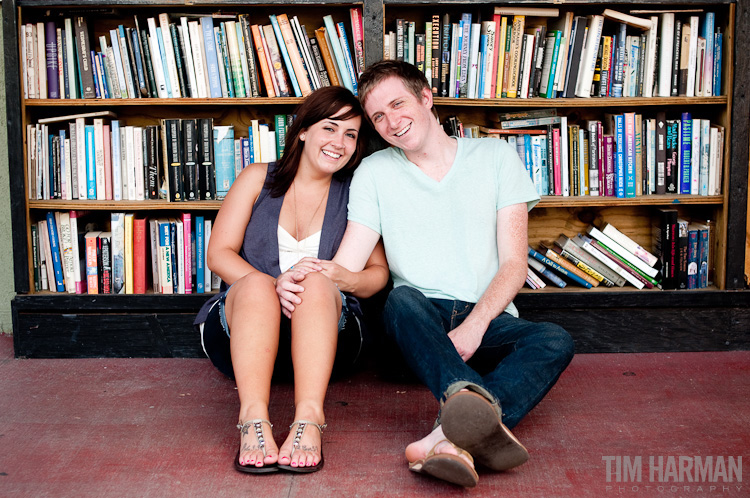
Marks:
<point>186,230</point>
<point>140,239</point>
<point>556,160</point>
<point>92,270</point>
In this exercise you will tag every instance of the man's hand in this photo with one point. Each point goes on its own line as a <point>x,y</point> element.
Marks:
<point>287,284</point>
<point>467,338</point>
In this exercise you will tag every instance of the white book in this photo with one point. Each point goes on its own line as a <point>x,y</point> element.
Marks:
<point>307,57</point>
<point>622,251</point>
<point>198,58</point>
<point>80,125</point>
<point>115,160</point>
<point>188,62</point>
<point>169,55</point>
<point>32,82</point>
<point>527,60</point>
<point>607,261</point>
<point>109,59</point>
<point>207,270</point>
<point>47,251</point>
<point>700,58</point>
<point>387,47</point>
<point>68,257</point>
<point>536,161</point>
<point>564,156</point>
<point>490,27</point>
<point>629,244</point>
<point>452,70</point>
<point>255,127</point>
<point>43,161</point>
<point>126,66</point>
<point>130,162</point>
<point>41,56</point>
<point>715,165</point>
<point>156,59</point>
<point>243,59</point>
<point>124,163</point>
<point>651,43</point>
<point>666,53</point>
<point>695,157</point>
<point>582,172</point>
<point>68,176</point>
<point>138,162</point>
<point>179,256</point>
<point>30,162</point>
<point>119,72</point>
<point>24,62</point>
<point>237,157</point>
<point>692,54</point>
<point>99,158</point>
<point>77,282</point>
<point>265,152</point>
<point>471,87</point>
<point>70,55</point>
<point>117,224</point>
<point>588,56</point>
<point>538,282</point>
<point>705,156</point>
<point>428,50</point>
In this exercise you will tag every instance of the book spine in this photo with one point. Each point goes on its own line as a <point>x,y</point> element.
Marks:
<point>563,271</point>
<point>212,63</point>
<point>347,56</point>
<point>338,54</point>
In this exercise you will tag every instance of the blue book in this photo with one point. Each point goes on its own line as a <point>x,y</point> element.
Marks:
<point>247,153</point>
<point>692,254</point>
<point>551,92</point>
<point>546,272</point>
<point>528,156</point>
<point>199,255</point>
<point>223,53</point>
<point>707,32</point>
<point>90,163</point>
<point>95,75</point>
<point>102,69</point>
<point>116,167</point>
<point>619,155</point>
<point>165,68</point>
<point>703,257</point>
<point>686,147</point>
<point>545,171</point>
<point>338,55</point>
<point>718,40</point>
<point>285,53</point>
<point>212,62</point>
<point>223,159</point>
<point>347,54</point>
<point>561,270</point>
<point>54,245</point>
<point>251,144</point>
<point>142,88</point>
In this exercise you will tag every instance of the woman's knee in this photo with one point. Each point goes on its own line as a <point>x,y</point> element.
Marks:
<point>319,287</point>
<point>254,289</point>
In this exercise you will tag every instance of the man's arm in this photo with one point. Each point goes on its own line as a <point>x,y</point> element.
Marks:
<point>356,246</point>
<point>512,243</point>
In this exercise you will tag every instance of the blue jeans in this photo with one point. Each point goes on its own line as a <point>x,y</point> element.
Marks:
<point>517,362</point>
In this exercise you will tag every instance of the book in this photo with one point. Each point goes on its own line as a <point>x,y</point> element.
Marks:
<point>588,56</point>
<point>223,145</point>
<point>587,244</point>
<point>212,60</point>
<point>199,255</point>
<point>664,236</point>
<point>338,54</point>
<point>139,255</point>
<point>92,268</point>
<point>173,159</point>
<point>569,265</point>
<point>562,270</point>
<point>206,170</point>
<point>546,272</point>
<point>583,260</point>
<point>117,225</point>
<point>635,21</point>
<point>621,251</point>
<point>84,58</point>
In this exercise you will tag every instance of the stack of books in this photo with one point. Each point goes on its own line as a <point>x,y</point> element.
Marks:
<point>74,256</point>
<point>623,155</point>
<point>205,57</point>
<point>92,156</point>
<point>526,52</point>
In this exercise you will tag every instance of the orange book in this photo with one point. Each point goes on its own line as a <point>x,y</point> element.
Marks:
<point>139,255</point>
<point>92,271</point>
<point>294,54</point>
<point>320,35</point>
<point>262,60</point>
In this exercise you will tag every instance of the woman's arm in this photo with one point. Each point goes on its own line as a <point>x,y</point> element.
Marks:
<point>228,231</point>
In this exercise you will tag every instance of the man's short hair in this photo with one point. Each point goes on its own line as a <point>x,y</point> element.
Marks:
<point>413,78</point>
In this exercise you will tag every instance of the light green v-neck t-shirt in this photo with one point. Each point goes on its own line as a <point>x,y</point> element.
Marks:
<point>441,237</point>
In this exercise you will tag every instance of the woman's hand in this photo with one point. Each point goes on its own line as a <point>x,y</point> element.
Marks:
<point>287,284</point>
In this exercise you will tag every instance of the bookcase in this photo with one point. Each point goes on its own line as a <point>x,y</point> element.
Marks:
<point>601,320</point>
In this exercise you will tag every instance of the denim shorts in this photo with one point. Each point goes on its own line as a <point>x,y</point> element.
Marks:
<point>215,339</point>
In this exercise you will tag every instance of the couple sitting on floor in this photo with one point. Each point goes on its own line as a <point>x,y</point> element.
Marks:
<point>296,242</point>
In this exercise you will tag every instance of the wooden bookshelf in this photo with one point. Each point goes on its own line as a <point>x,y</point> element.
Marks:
<point>623,319</point>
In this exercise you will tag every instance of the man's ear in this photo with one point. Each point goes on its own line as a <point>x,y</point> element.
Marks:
<point>427,97</point>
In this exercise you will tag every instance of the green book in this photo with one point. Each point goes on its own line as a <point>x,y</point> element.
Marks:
<point>280,120</point>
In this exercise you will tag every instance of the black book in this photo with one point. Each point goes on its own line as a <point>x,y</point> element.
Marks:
<point>676,59</point>
<point>682,254</point>
<point>532,69</point>
<point>152,162</point>
<point>445,52</point>
<point>151,80</point>
<point>252,67</point>
<point>642,64</point>
<point>135,41</point>
<point>55,168</point>
<point>671,166</point>
<point>173,153</point>
<point>207,178</point>
<point>435,62</point>
<point>104,262</point>
<point>83,50</point>
<point>133,63</point>
<point>661,153</point>
<point>665,242</point>
<point>538,63</point>
<point>318,58</point>
<point>522,66</point>
<point>142,46</point>
<point>574,58</point>
<point>179,61</point>
<point>190,159</point>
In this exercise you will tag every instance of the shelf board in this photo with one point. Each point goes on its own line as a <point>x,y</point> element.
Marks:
<point>165,102</point>
<point>644,200</point>
<point>587,103</point>
<point>58,204</point>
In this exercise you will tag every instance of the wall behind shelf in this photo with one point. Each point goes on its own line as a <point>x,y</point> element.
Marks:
<point>6,239</point>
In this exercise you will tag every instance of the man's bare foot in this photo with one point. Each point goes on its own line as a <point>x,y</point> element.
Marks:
<point>419,449</point>
<point>309,453</point>
<point>255,436</point>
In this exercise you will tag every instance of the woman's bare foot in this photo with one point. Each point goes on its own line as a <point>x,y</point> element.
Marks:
<point>309,453</point>
<point>255,436</point>
<point>419,449</point>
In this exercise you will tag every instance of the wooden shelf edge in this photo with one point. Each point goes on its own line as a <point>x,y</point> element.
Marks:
<point>162,102</point>
<point>645,200</point>
<point>587,103</point>
<point>57,204</point>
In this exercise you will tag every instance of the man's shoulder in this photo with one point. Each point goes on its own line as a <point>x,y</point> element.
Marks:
<point>378,161</point>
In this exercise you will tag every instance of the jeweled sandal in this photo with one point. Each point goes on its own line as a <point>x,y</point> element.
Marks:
<point>301,426</point>
<point>257,426</point>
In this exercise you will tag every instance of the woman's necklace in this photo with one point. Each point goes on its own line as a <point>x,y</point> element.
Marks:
<point>296,227</point>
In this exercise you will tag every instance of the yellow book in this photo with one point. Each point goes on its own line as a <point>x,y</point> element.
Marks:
<point>501,56</point>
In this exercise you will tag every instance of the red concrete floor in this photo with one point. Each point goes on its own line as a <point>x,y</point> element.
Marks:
<point>166,427</point>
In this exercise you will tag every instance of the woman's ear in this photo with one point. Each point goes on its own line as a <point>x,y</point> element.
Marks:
<point>302,136</point>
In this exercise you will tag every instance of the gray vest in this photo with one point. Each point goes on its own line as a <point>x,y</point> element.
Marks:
<point>261,245</point>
